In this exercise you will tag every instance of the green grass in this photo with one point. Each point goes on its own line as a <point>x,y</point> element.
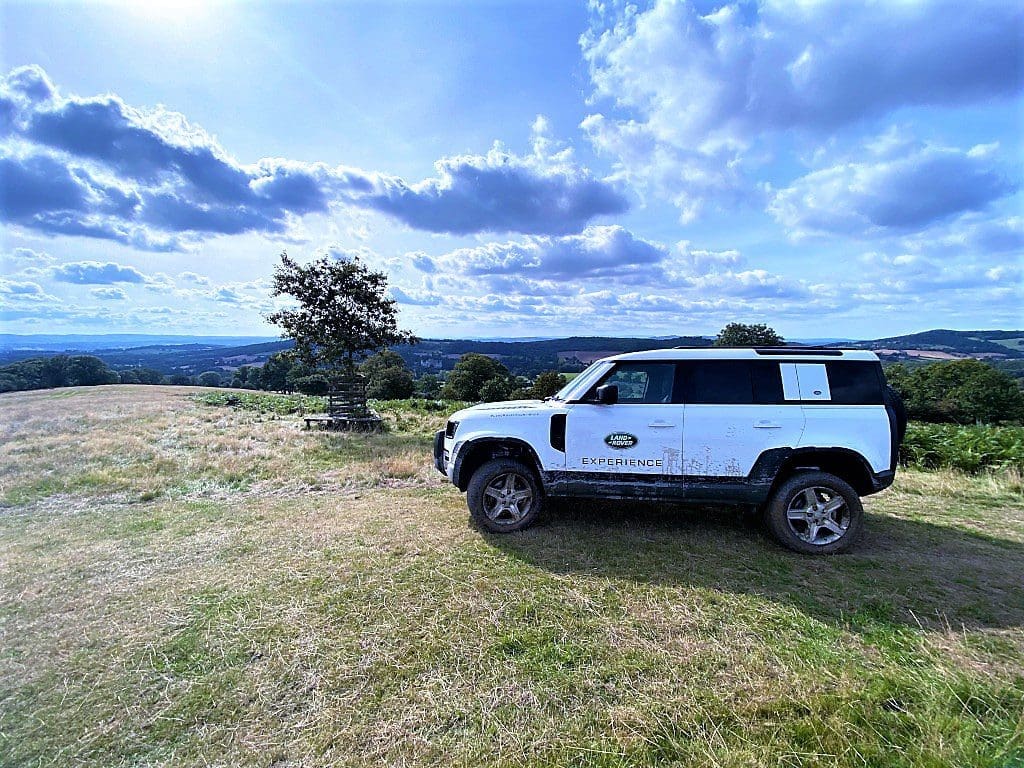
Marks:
<point>333,606</point>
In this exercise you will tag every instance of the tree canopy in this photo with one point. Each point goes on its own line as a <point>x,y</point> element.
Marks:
<point>387,377</point>
<point>960,391</point>
<point>471,373</point>
<point>744,335</point>
<point>343,311</point>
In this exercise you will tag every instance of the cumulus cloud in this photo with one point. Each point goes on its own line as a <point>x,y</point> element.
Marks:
<point>20,288</point>
<point>414,297</point>
<point>96,273</point>
<point>599,251</point>
<point>99,167</point>
<point>908,193</point>
<point>22,256</point>
<point>498,192</point>
<point>193,278</point>
<point>109,294</point>
<point>691,91</point>
<point>605,269</point>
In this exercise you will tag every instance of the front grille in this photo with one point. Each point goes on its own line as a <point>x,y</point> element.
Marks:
<point>449,430</point>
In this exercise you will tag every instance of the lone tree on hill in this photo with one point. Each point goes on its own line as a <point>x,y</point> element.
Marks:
<point>743,335</point>
<point>344,312</point>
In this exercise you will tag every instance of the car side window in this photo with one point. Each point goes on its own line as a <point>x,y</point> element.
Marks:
<point>641,383</point>
<point>718,382</point>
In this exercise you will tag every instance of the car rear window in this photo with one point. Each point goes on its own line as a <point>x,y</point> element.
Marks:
<point>855,382</point>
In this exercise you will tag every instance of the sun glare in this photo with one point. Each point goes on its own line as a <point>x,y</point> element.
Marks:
<point>170,11</point>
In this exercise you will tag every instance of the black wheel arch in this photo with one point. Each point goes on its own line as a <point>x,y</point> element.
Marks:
<point>844,463</point>
<point>478,452</point>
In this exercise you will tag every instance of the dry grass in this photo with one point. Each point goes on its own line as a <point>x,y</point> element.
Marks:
<point>185,585</point>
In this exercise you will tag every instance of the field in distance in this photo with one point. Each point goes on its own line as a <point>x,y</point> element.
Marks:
<point>183,583</point>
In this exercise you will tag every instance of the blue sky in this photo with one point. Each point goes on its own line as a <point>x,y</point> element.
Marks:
<point>830,168</point>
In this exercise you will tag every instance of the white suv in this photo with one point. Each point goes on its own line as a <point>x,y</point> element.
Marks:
<point>801,432</point>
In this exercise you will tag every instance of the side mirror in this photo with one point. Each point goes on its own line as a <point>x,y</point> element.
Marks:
<point>608,394</point>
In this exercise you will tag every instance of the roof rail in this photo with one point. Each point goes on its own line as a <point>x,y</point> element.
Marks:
<point>826,351</point>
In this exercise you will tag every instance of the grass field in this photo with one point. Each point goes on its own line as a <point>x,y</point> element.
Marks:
<point>186,584</point>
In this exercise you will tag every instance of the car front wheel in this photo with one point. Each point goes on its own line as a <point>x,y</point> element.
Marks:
<point>504,496</point>
<point>815,513</point>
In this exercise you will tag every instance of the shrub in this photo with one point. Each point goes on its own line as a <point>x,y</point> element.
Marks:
<point>970,449</point>
<point>265,403</point>
<point>958,391</point>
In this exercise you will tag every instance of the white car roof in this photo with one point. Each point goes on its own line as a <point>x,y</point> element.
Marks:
<point>779,354</point>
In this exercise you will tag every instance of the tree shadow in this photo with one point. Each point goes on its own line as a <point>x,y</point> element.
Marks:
<point>901,572</point>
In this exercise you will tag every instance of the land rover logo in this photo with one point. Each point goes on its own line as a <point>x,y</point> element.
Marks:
<point>620,440</point>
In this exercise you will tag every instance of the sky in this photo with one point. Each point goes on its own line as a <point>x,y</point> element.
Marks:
<point>832,169</point>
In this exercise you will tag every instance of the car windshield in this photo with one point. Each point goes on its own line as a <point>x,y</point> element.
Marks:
<point>575,388</point>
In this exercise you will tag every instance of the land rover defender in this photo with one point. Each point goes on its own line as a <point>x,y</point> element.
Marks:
<point>799,433</point>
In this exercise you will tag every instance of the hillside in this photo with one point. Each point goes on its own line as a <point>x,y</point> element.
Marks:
<point>995,345</point>
<point>186,584</point>
<point>523,358</point>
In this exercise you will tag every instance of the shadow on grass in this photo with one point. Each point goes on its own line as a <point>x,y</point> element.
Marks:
<point>901,572</point>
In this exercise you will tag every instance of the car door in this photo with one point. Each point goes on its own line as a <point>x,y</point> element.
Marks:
<point>641,434</point>
<point>734,411</point>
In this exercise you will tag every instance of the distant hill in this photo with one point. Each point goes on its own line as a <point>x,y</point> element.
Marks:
<point>193,355</point>
<point>80,342</point>
<point>993,345</point>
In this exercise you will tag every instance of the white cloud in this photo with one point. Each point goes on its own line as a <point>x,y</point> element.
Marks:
<point>881,195</point>
<point>690,99</point>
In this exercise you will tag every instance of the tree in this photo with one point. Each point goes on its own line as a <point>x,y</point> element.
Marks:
<point>343,311</point>
<point>547,384</point>
<point>88,371</point>
<point>246,377</point>
<point>180,379</point>
<point>469,376</point>
<point>494,390</point>
<point>960,391</point>
<point>209,379</point>
<point>147,376</point>
<point>744,335</point>
<point>428,386</point>
<point>315,384</point>
<point>387,377</point>
<point>274,373</point>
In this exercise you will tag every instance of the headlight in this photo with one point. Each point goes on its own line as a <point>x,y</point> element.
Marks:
<point>449,430</point>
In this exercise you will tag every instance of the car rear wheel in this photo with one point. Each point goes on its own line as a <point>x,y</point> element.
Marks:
<point>504,496</point>
<point>815,513</point>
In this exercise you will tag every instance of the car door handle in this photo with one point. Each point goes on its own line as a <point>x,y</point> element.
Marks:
<point>767,425</point>
<point>660,424</point>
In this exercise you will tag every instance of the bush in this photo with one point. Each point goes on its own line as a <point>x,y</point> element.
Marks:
<point>969,449</point>
<point>265,403</point>
<point>958,391</point>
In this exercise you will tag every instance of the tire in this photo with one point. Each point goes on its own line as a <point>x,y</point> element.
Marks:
<point>497,492</point>
<point>815,529</point>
